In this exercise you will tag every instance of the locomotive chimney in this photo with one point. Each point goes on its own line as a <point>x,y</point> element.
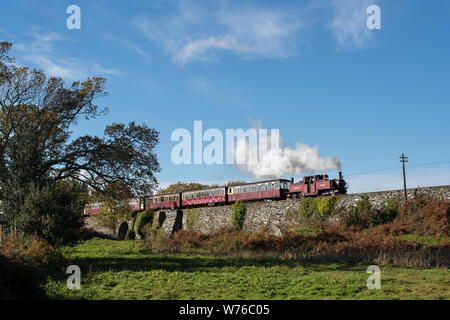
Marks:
<point>340,175</point>
<point>292,180</point>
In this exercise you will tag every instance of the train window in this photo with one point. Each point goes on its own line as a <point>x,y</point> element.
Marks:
<point>277,185</point>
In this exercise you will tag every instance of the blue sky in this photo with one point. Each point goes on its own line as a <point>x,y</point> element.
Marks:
<point>309,68</point>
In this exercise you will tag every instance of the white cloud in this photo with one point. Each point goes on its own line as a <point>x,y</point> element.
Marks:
<point>349,24</point>
<point>42,52</point>
<point>196,33</point>
<point>130,44</point>
<point>67,69</point>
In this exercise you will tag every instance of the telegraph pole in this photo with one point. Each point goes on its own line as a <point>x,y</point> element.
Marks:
<point>404,159</point>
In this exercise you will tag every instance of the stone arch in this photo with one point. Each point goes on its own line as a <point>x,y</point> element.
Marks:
<point>178,224</point>
<point>161,218</point>
<point>123,229</point>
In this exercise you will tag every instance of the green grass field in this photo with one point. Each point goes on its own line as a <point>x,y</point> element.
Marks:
<point>121,270</point>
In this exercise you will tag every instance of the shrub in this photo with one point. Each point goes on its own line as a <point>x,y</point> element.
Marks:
<point>131,235</point>
<point>308,209</point>
<point>144,218</point>
<point>360,214</point>
<point>191,218</point>
<point>325,206</point>
<point>389,213</point>
<point>20,279</point>
<point>239,215</point>
<point>156,240</point>
<point>23,263</point>
<point>54,214</point>
<point>422,216</point>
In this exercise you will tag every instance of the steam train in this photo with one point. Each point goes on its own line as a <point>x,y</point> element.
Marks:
<point>278,189</point>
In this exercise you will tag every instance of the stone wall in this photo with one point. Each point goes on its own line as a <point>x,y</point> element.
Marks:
<point>272,214</point>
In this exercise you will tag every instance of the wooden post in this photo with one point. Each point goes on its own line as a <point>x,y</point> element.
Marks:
<point>404,159</point>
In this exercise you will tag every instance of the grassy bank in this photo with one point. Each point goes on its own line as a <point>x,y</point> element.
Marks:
<point>122,270</point>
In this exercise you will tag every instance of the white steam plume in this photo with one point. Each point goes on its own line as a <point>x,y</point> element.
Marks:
<point>275,161</point>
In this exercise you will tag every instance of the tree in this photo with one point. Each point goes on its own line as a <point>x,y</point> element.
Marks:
<point>115,206</point>
<point>36,145</point>
<point>182,187</point>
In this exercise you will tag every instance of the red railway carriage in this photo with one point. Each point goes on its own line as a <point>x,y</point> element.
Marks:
<point>165,201</point>
<point>318,185</point>
<point>201,197</point>
<point>135,204</point>
<point>95,207</point>
<point>269,189</point>
<point>92,208</point>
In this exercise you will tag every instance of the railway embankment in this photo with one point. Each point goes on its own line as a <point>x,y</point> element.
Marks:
<point>274,214</point>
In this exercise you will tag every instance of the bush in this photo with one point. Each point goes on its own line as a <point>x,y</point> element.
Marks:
<point>325,206</point>
<point>239,215</point>
<point>23,264</point>
<point>156,240</point>
<point>308,209</point>
<point>360,215</point>
<point>389,213</point>
<point>429,217</point>
<point>20,279</point>
<point>191,218</point>
<point>53,213</point>
<point>144,218</point>
<point>131,235</point>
